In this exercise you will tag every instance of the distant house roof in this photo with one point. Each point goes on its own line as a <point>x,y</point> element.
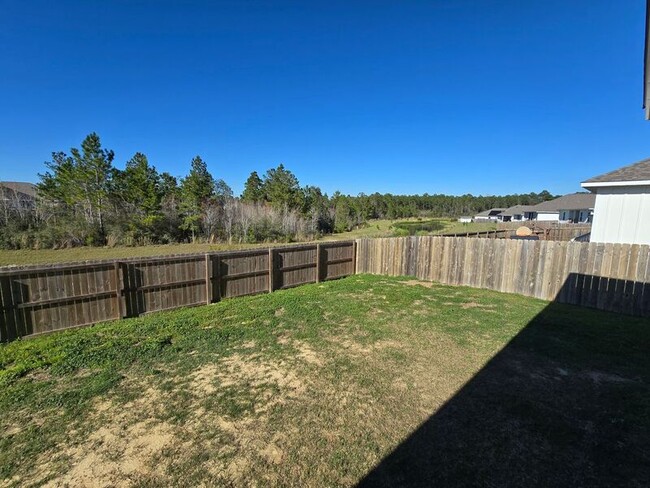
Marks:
<point>23,189</point>
<point>634,174</point>
<point>573,201</point>
<point>490,213</point>
<point>517,210</point>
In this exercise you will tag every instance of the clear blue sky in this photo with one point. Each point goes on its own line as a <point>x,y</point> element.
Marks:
<point>438,96</point>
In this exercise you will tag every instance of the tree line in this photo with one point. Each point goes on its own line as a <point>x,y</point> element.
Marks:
<point>83,199</point>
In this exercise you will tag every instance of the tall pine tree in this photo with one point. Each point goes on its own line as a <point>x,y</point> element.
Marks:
<point>253,189</point>
<point>81,182</point>
<point>196,190</point>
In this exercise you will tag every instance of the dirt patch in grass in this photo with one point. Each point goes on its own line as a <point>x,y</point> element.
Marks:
<point>487,308</point>
<point>113,455</point>
<point>203,379</point>
<point>307,353</point>
<point>252,371</point>
<point>426,284</point>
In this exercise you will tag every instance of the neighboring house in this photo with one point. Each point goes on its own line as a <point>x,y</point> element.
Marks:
<point>622,210</point>
<point>575,207</point>
<point>517,213</point>
<point>491,214</point>
<point>17,194</point>
<point>465,220</point>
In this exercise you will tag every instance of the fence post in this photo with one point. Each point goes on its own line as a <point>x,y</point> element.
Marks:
<point>117,276</point>
<point>208,281</point>
<point>8,327</point>
<point>271,269</point>
<point>216,277</point>
<point>318,262</point>
<point>354,257</point>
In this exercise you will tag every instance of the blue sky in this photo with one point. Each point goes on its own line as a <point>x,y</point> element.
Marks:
<point>438,96</point>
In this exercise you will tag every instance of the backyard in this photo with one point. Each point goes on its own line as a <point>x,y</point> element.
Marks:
<point>366,380</point>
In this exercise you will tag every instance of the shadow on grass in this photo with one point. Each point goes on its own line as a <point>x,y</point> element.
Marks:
<point>565,403</point>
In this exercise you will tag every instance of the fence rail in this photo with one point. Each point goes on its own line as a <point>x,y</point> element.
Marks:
<point>40,299</point>
<point>613,277</point>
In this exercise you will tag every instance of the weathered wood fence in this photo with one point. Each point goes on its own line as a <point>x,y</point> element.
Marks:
<point>558,233</point>
<point>39,299</point>
<point>613,277</point>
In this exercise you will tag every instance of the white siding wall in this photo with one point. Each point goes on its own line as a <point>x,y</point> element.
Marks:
<point>622,215</point>
<point>548,217</point>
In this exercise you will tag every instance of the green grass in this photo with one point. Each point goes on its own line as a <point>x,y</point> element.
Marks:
<point>317,385</point>
<point>46,256</point>
<point>373,228</point>
<point>456,227</point>
<point>391,228</point>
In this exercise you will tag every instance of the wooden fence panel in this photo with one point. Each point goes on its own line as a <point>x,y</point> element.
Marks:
<point>614,277</point>
<point>35,301</point>
<point>243,273</point>
<point>40,299</point>
<point>295,266</point>
<point>152,285</point>
<point>337,260</point>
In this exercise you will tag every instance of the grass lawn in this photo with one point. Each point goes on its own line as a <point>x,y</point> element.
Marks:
<point>372,380</point>
<point>47,256</point>
<point>385,228</point>
<point>455,227</point>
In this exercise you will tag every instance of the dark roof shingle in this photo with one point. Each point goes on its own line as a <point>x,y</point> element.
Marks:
<point>634,172</point>
<point>517,210</point>
<point>572,201</point>
<point>490,212</point>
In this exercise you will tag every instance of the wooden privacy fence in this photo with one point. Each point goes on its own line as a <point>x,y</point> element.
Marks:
<point>34,300</point>
<point>559,233</point>
<point>613,277</point>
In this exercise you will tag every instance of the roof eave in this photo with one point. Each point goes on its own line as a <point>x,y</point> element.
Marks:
<point>601,184</point>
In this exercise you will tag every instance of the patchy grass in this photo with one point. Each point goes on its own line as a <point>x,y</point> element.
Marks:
<point>455,227</point>
<point>389,228</point>
<point>381,380</point>
<point>372,228</point>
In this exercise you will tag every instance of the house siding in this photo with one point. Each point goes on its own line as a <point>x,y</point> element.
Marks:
<point>622,215</point>
<point>548,217</point>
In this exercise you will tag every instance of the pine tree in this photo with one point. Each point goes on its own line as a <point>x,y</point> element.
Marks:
<point>253,189</point>
<point>281,189</point>
<point>138,193</point>
<point>196,190</point>
<point>81,182</point>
